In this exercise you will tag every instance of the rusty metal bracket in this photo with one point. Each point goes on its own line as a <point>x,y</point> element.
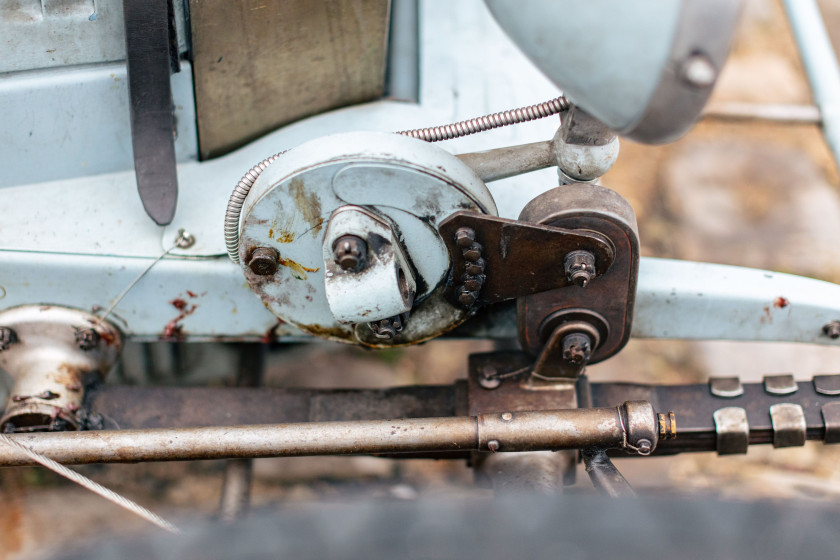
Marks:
<point>519,258</point>
<point>610,296</point>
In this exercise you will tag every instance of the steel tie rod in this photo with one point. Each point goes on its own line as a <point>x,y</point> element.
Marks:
<point>632,425</point>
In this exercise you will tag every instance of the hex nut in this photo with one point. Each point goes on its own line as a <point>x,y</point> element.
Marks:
<point>467,298</point>
<point>350,252</point>
<point>264,261</point>
<point>577,348</point>
<point>473,253</point>
<point>86,339</point>
<point>579,267</point>
<point>475,268</point>
<point>464,237</point>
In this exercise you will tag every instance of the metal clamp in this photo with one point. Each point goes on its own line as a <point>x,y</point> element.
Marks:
<point>788,425</point>
<point>780,384</point>
<point>831,419</point>
<point>732,430</point>
<point>827,384</point>
<point>726,387</point>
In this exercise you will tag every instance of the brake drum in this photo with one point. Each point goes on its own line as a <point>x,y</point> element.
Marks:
<point>387,189</point>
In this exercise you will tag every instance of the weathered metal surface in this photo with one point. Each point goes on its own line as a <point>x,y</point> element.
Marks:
<point>246,88</point>
<point>522,431</point>
<point>411,184</point>
<point>732,430</point>
<point>521,259</point>
<point>731,303</point>
<point>610,295</point>
<point>52,355</point>
<point>151,51</point>
<point>181,407</point>
<point>515,393</point>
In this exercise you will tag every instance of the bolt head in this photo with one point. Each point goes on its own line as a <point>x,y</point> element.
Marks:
<point>473,252</point>
<point>264,261</point>
<point>579,267</point>
<point>644,446</point>
<point>467,298</point>
<point>577,348</point>
<point>493,445</point>
<point>350,253</point>
<point>473,283</point>
<point>475,268</point>
<point>507,416</point>
<point>464,237</point>
<point>699,71</point>
<point>832,330</point>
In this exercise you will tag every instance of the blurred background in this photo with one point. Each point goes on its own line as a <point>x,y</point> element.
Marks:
<point>743,193</point>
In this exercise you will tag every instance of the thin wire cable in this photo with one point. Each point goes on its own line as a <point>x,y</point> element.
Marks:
<point>139,277</point>
<point>431,134</point>
<point>95,487</point>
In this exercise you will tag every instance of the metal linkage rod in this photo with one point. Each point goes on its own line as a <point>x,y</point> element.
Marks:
<point>624,426</point>
<point>820,63</point>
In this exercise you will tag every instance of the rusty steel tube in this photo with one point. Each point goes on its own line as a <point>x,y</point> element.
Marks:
<point>519,431</point>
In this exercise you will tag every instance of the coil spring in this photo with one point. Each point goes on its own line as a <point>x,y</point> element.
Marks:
<point>237,199</point>
<point>431,134</point>
<point>488,122</point>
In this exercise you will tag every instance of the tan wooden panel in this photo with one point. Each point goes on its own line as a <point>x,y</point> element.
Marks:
<point>259,64</point>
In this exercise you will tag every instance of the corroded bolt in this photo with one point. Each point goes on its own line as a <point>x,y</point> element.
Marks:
<point>644,446</point>
<point>475,268</point>
<point>473,283</point>
<point>507,416</point>
<point>467,298</point>
<point>473,252</point>
<point>350,253</point>
<point>387,329</point>
<point>577,348</point>
<point>86,339</point>
<point>464,237</point>
<point>264,261</point>
<point>832,330</point>
<point>493,445</point>
<point>7,338</point>
<point>580,267</point>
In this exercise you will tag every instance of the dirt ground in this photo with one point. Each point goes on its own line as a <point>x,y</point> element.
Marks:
<point>735,193</point>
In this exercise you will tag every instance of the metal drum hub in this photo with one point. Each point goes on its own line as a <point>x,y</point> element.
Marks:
<point>339,237</point>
